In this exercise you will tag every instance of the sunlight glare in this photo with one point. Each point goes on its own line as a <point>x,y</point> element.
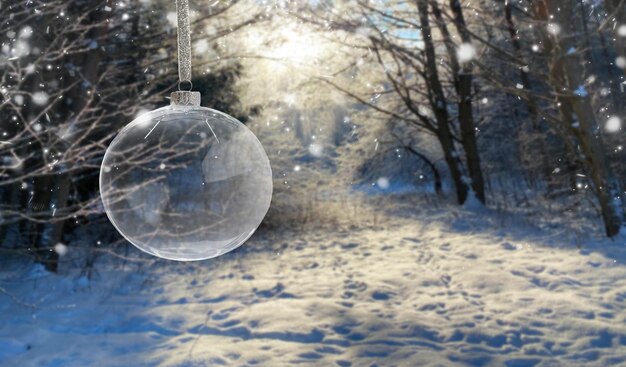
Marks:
<point>296,46</point>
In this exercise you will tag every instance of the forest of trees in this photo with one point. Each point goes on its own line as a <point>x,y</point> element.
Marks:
<point>562,61</point>
<point>525,90</point>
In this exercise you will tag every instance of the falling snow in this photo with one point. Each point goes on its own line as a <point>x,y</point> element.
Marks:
<point>60,249</point>
<point>613,124</point>
<point>316,150</point>
<point>40,98</point>
<point>554,29</point>
<point>383,183</point>
<point>367,255</point>
<point>466,52</point>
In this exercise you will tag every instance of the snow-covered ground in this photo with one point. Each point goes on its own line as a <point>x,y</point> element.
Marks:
<point>445,287</point>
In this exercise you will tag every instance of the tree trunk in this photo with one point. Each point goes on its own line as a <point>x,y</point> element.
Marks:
<point>438,103</point>
<point>617,10</point>
<point>62,192</point>
<point>60,183</point>
<point>468,135</point>
<point>463,81</point>
<point>466,116</point>
<point>614,75</point>
<point>538,128</point>
<point>39,207</point>
<point>517,47</point>
<point>566,77</point>
<point>463,86</point>
<point>587,37</point>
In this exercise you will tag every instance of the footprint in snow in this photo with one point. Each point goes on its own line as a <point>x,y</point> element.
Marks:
<point>509,246</point>
<point>355,285</point>
<point>381,295</point>
<point>276,291</point>
<point>349,246</point>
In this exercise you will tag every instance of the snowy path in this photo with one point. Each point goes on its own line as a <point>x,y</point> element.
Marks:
<point>442,291</point>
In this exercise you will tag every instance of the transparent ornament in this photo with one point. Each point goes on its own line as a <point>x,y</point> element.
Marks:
<point>185,182</point>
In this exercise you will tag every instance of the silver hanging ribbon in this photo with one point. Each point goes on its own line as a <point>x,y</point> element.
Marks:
<point>184,42</point>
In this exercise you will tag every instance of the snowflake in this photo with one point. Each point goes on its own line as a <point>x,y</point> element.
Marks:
<point>40,98</point>
<point>60,249</point>
<point>466,52</point>
<point>383,183</point>
<point>554,29</point>
<point>316,150</point>
<point>613,124</point>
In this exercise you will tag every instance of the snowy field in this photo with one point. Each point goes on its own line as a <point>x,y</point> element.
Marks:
<point>453,287</point>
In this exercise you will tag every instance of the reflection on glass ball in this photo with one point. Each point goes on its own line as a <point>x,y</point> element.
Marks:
<point>186,183</point>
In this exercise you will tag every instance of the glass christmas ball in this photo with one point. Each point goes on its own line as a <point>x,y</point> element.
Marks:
<point>185,182</point>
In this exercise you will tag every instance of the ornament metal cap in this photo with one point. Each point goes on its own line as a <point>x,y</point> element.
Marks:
<point>185,98</point>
